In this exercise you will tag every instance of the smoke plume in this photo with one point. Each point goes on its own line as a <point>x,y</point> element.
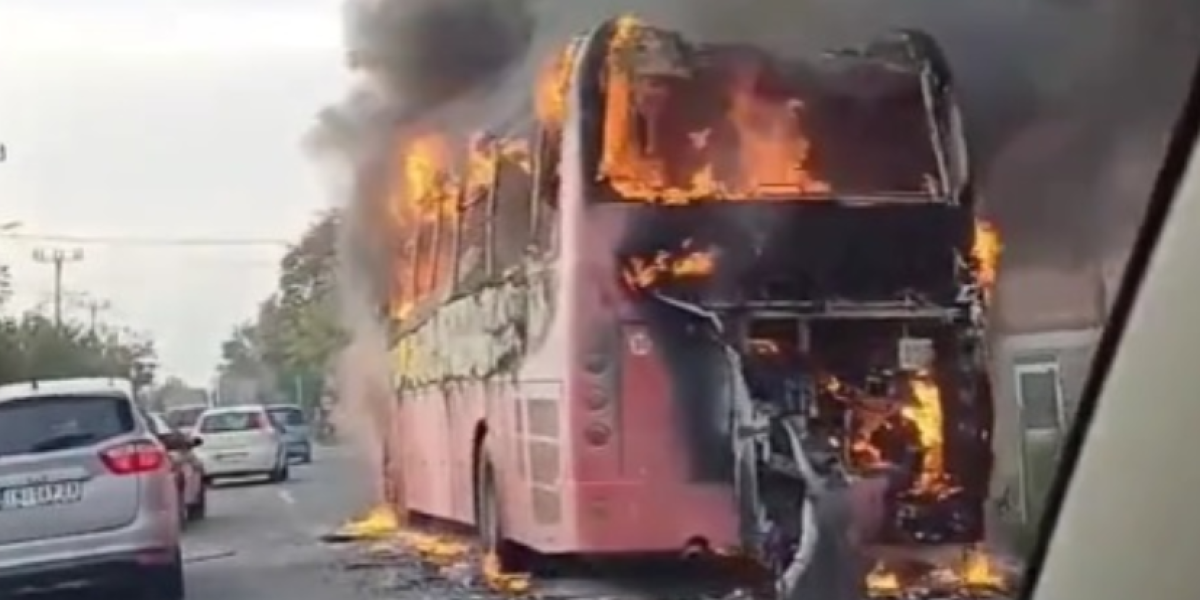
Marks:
<point>1067,103</point>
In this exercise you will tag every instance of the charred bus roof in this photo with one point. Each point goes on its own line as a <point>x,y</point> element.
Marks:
<point>676,122</point>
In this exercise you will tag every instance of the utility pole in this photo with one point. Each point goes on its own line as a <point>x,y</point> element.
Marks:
<point>58,258</point>
<point>6,274</point>
<point>94,307</point>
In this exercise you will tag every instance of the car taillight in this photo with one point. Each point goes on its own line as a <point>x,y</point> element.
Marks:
<point>134,458</point>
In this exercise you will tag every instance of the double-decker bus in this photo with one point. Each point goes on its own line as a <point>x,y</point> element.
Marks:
<point>704,282</point>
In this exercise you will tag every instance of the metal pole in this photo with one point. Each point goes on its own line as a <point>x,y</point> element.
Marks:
<point>58,270</point>
<point>58,258</point>
<point>94,308</point>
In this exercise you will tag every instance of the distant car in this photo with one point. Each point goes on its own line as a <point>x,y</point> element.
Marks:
<point>87,496</point>
<point>241,441</point>
<point>183,418</point>
<point>296,430</point>
<point>190,480</point>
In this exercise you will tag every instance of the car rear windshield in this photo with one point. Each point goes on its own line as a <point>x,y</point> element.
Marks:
<point>231,421</point>
<point>291,417</point>
<point>49,423</point>
<point>184,417</point>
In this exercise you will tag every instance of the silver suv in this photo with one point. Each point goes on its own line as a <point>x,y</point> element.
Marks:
<point>87,495</point>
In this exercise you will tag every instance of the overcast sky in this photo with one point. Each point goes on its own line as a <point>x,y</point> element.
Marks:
<point>159,118</point>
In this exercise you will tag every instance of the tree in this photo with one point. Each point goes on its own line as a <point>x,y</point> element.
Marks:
<point>32,347</point>
<point>240,354</point>
<point>305,310</point>
<point>296,332</point>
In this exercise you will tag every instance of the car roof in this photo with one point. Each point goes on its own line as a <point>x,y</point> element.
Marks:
<point>67,387</point>
<point>188,407</point>
<point>220,410</point>
<point>284,407</point>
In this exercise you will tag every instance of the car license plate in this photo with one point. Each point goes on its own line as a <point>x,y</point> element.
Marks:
<point>44,494</point>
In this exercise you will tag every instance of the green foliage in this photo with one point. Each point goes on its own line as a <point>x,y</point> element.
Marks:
<point>296,332</point>
<point>32,347</point>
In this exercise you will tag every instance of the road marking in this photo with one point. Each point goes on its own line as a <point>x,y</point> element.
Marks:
<point>197,557</point>
<point>286,496</point>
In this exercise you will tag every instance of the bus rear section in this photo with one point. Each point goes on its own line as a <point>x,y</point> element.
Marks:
<point>636,484</point>
<point>782,280</point>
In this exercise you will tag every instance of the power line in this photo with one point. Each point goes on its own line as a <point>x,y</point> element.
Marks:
<point>86,240</point>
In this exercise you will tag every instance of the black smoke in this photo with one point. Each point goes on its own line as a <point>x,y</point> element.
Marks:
<point>1068,103</point>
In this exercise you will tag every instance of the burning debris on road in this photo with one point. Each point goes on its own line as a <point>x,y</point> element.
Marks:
<point>427,556</point>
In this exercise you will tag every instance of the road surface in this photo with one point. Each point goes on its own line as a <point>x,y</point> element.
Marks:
<point>260,541</point>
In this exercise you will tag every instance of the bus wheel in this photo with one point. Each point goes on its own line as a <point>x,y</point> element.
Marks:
<point>487,519</point>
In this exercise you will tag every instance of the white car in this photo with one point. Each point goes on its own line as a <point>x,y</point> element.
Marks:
<point>241,441</point>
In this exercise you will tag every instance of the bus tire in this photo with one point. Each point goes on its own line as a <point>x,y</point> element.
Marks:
<point>488,521</point>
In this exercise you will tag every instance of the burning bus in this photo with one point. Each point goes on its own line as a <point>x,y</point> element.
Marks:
<point>704,283</point>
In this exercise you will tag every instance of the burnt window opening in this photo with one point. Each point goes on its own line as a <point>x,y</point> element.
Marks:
<point>472,251</point>
<point>546,196</point>
<point>406,275</point>
<point>446,250</point>
<point>863,122</point>
<point>425,257</point>
<point>514,214</point>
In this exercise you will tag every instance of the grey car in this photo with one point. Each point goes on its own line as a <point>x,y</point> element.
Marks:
<point>297,432</point>
<point>87,495</point>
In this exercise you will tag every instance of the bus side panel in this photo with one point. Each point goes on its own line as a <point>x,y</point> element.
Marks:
<point>466,403</point>
<point>428,480</point>
<point>537,419</point>
<point>503,446</point>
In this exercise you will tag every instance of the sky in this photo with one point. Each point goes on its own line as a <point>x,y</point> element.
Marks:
<point>152,119</point>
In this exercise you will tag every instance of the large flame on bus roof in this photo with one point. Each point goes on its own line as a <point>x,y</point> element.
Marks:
<point>771,153</point>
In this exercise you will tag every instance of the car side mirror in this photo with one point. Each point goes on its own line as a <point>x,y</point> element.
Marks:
<point>196,442</point>
<point>175,441</point>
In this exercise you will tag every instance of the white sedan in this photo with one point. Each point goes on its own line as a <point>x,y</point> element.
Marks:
<point>241,441</point>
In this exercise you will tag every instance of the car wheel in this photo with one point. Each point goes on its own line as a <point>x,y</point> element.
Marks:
<point>165,582</point>
<point>199,510</point>
<point>182,511</point>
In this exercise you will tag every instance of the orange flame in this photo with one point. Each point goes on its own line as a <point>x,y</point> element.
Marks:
<point>986,254</point>
<point>641,159</point>
<point>550,95</point>
<point>686,263</point>
<point>973,574</point>
<point>436,178</point>
<point>925,413</point>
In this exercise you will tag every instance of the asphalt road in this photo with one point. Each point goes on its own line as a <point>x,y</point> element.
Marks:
<point>260,541</point>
